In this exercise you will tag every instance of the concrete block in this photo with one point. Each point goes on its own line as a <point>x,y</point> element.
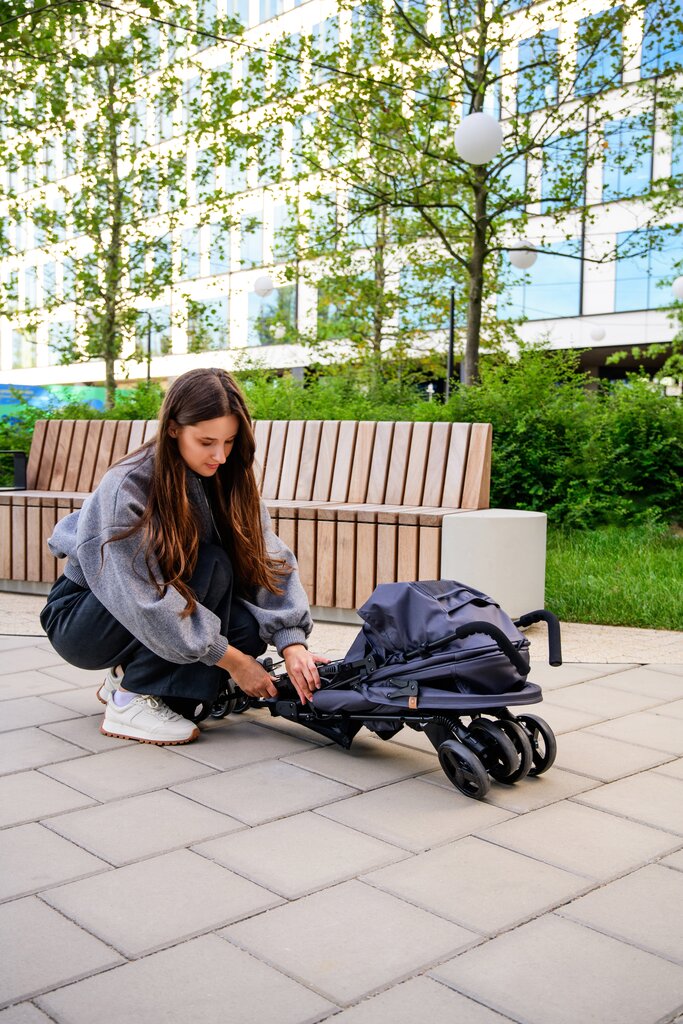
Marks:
<point>33,858</point>
<point>22,659</point>
<point>647,681</point>
<point>23,1013</point>
<point>27,796</point>
<point>651,798</point>
<point>419,999</point>
<point>33,748</point>
<point>27,711</point>
<point>602,758</point>
<point>368,764</point>
<point>500,552</point>
<point>28,684</point>
<point>646,730</point>
<point>235,742</point>
<point>598,698</point>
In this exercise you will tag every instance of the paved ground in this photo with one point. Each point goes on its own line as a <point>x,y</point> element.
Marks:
<point>260,875</point>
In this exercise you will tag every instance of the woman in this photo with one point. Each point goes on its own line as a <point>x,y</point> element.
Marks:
<point>174,576</point>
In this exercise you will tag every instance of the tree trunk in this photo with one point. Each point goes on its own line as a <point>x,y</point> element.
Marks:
<point>380,282</point>
<point>469,368</point>
<point>112,253</point>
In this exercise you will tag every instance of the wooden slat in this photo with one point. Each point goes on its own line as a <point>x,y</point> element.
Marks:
<point>436,463</point>
<point>476,490</point>
<point>344,460</point>
<point>48,566</point>
<point>366,561</point>
<point>18,542</point>
<point>273,464</point>
<point>121,440</point>
<point>362,460</point>
<point>5,542</point>
<point>104,451</point>
<point>379,467</point>
<point>35,456</point>
<point>429,555</point>
<point>455,465</point>
<point>151,429</point>
<point>291,460</point>
<point>62,456</point>
<point>417,464</point>
<point>408,551</point>
<point>387,551</point>
<point>309,460</point>
<point>306,556</point>
<point>398,467</point>
<point>64,508</point>
<point>261,436</point>
<point>345,596</point>
<point>325,564</point>
<point>47,461</point>
<point>33,546</point>
<point>78,446</point>
<point>137,434</point>
<point>286,531</point>
<point>327,452</point>
<point>89,462</point>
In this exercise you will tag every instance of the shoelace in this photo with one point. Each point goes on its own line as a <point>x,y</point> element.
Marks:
<point>158,706</point>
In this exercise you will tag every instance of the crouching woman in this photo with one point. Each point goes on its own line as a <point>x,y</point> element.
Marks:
<point>174,576</point>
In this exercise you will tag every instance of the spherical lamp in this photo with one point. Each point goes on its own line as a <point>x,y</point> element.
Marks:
<point>598,333</point>
<point>677,288</point>
<point>263,286</point>
<point>478,138</point>
<point>522,255</point>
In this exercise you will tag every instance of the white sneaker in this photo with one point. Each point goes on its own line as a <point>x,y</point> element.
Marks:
<point>112,681</point>
<point>147,719</point>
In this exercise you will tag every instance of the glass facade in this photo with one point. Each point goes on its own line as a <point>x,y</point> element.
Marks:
<point>649,263</point>
<point>599,55</point>
<point>190,253</point>
<point>552,288</point>
<point>662,47</point>
<point>563,180</point>
<point>537,72</point>
<point>271,317</point>
<point>251,240</point>
<point>627,159</point>
<point>207,325</point>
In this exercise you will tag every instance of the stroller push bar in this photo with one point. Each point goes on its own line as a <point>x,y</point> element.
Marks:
<point>499,638</point>
<point>554,643</point>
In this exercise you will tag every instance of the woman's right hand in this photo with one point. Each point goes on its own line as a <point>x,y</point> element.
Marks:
<point>248,674</point>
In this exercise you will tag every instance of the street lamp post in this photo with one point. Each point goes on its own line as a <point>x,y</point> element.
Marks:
<point>149,347</point>
<point>451,344</point>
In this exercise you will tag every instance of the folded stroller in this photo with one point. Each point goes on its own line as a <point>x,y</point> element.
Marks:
<point>441,658</point>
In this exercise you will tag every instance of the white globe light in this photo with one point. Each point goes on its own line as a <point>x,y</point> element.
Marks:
<point>263,286</point>
<point>677,288</point>
<point>478,138</point>
<point>598,333</point>
<point>523,255</point>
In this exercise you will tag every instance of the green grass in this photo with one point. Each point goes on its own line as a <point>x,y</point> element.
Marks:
<point>616,576</point>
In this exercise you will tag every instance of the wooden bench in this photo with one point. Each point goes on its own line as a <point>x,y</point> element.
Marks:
<point>359,503</point>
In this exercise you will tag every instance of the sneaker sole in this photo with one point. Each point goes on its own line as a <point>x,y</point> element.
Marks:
<point>101,699</point>
<point>144,739</point>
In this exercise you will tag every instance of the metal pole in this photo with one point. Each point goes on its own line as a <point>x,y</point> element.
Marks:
<point>149,346</point>
<point>451,344</point>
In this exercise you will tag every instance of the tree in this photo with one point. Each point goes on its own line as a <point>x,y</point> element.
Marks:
<point>390,97</point>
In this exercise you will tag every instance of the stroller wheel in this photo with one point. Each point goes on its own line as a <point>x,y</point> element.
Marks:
<point>500,758</point>
<point>522,744</point>
<point>464,769</point>
<point>241,703</point>
<point>224,703</point>
<point>543,743</point>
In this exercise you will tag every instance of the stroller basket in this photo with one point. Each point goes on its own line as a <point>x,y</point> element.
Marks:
<point>429,655</point>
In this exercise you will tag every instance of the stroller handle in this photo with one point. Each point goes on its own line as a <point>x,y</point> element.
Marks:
<point>554,641</point>
<point>499,637</point>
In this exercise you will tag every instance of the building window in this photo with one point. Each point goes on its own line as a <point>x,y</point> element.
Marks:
<point>650,262</point>
<point>563,179</point>
<point>303,150</point>
<point>49,283</point>
<point>207,325</point>
<point>219,252</point>
<point>149,192</point>
<point>163,119</point>
<point>30,287</point>
<point>492,98</point>
<point>345,307</point>
<point>283,232</point>
<point>361,227</point>
<point>138,123</point>
<point>270,155</point>
<point>424,301</point>
<point>325,43</point>
<point>24,350</point>
<point>161,259</point>
<point>287,55</point>
<point>251,240</point>
<point>190,253</point>
<point>207,13</point>
<point>537,72</point>
<point>323,222</point>
<point>153,332</point>
<point>69,279</point>
<point>205,175</point>
<point>192,100</point>
<point>365,34</point>
<point>599,54</point>
<point>236,174</point>
<point>677,143</point>
<point>627,162</point>
<point>269,9</point>
<point>662,48</point>
<point>272,320</point>
<point>238,9</point>
<point>552,288</point>
<point>61,336</point>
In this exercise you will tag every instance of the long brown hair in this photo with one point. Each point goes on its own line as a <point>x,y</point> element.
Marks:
<point>169,526</point>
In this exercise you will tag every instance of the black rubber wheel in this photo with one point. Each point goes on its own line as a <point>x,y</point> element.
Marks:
<point>225,703</point>
<point>500,757</point>
<point>522,744</point>
<point>464,769</point>
<point>543,743</point>
<point>242,703</point>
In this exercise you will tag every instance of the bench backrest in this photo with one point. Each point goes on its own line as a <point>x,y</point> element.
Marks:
<point>411,464</point>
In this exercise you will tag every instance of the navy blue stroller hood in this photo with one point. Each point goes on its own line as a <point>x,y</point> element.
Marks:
<point>441,631</point>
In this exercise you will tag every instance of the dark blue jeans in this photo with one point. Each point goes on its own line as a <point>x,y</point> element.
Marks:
<point>88,636</point>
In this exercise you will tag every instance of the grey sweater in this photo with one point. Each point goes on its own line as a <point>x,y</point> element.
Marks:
<point>121,581</point>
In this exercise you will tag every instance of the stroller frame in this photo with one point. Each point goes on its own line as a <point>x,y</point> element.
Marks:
<point>493,744</point>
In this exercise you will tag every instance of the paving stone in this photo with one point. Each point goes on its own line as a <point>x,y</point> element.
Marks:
<point>532,792</point>
<point>674,709</point>
<point>8,643</point>
<point>647,730</point>
<point>637,909</point>
<point>284,727</point>
<point>674,670</point>
<point>130,768</point>
<point>84,702</point>
<point>27,796</point>
<point>142,907</point>
<point>553,971</point>
<point>651,798</point>
<point>85,733</point>
<point>415,816</point>
<point>235,743</point>
<point>411,738</point>
<point>33,748</point>
<point>76,676</point>
<point>675,860</point>
<point>33,858</point>
<point>349,941</point>
<point>647,681</point>
<point>603,701</point>
<point>27,711</point>
<point>603,758</point>
<point>419,999</point>
<point>28,684</point>
<point>22,659</point>
<point>581,839</point>
<point>127,830</point>
<point>206,980</point>
<point>23,1013</point>
<point>481,886</point>
<point>41,949</point>
<point>370,763</point>
<point>262,792</point>
<point>553,678</point>
<point>563,719</point>
<point>304,852</point>
<point>672,768</point>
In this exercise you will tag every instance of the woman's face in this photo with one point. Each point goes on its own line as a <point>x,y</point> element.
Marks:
<point>206,445</point>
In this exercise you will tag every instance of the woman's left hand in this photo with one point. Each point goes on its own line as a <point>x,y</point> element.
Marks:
<point>301,669</point>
